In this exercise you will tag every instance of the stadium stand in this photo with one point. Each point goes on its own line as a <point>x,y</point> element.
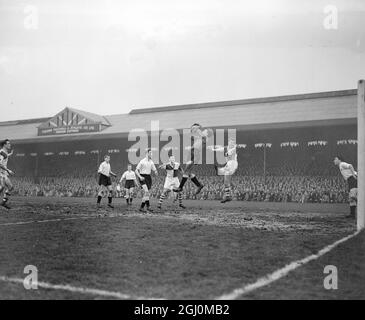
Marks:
<point>288,159</point>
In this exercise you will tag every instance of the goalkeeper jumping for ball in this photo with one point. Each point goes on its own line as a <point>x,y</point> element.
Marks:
<point>200,135</point>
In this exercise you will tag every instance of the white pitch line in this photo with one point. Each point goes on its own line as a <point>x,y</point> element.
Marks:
<point>43,221</point>
<point>278,274</point>
<point>81,290</point>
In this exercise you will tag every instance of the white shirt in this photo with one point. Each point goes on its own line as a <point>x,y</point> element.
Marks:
<point>104,169</point>
<point>128,175</point>
<point>345,170</point>
<point>145,166</point>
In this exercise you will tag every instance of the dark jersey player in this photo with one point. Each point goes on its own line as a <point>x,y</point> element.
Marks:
<point>173,169</point>
<point>200,135</point>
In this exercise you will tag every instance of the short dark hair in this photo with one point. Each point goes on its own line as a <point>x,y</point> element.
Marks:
<point>341,158</point>
<point>3,143</point>
<point>148,150</point>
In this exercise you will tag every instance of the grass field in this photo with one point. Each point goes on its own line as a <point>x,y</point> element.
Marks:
<point>203,252</point>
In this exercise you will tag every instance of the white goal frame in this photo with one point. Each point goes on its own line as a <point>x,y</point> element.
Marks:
<point>361,154</point>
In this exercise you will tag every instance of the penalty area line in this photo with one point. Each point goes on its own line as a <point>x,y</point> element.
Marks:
<point>281,273</point>
<point>80,290</point>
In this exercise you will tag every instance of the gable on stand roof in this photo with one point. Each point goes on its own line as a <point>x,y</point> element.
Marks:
<point>71,120</point>
<point>73,117</point>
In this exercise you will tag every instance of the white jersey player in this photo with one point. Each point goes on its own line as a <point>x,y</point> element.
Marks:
<point>105,173</point>
<point>143,172</point>
<point>228,170</point>
<point>130,179</point>
<point>350,175</point>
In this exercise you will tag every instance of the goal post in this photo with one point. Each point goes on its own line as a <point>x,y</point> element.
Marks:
<point>361,154</point>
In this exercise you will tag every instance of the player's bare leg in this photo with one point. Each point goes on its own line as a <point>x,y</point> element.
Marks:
<point>2,188</point>
<point>176,196</point>
<point>100,196</point>
<point>353,203</point>
<point>7,193</point>
<point>127,196</point>
<point>227,189</point>
<point>110,197</point>
<point>164,195</point>
<point>145,199</point>
<point>131,190</point>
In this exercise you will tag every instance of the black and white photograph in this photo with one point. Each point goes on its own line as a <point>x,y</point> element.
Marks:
<point>182,155</point>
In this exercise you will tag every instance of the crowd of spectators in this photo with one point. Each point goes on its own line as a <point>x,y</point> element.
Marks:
<point>299,189</point>
<point>293,177</point>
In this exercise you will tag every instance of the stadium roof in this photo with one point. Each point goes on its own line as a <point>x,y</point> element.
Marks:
<point>325,108</point>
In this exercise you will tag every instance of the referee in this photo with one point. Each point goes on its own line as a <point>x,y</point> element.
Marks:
<point>105,181</point>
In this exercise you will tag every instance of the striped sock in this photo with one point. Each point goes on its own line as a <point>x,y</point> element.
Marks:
<point>227,192</point>
<point>180,198</point>
<point>162,198</point>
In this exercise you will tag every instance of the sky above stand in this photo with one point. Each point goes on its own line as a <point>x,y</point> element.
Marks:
<point>109,57</point>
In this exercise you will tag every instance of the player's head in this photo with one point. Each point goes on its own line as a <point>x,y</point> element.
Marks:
<point>149,153</point>
<point>337,160</point>
<point>6,144</point>
<point>107,158</point>
<point>196,129</point>
<point>172,159</point>
<point>129,167</point>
